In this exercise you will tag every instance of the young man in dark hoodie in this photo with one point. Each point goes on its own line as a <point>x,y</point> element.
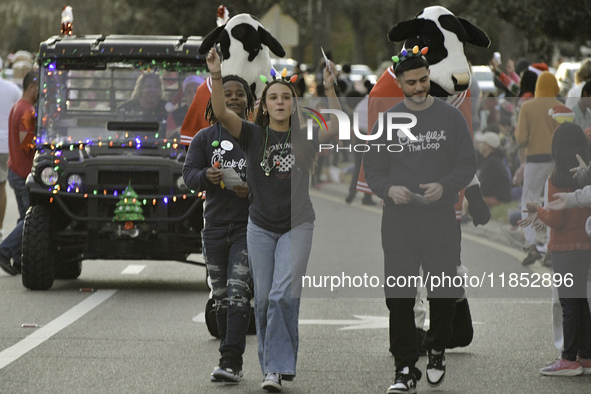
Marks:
<point>419,183</point>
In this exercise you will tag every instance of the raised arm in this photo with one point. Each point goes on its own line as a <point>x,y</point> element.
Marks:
<point>226,117</point>
<point>333,102</point>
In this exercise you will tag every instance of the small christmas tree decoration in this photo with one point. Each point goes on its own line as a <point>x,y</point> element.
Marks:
<point>129,209</point>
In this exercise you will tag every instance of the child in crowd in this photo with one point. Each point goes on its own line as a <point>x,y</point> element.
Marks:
<point>224,234</point>
<point>571,252</point>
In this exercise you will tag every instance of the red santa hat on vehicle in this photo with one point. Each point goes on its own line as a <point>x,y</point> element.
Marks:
<point>562,114</point>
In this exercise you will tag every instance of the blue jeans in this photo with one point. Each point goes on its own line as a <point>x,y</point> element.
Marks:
<point>11,246</point>
<point>226,257</point>
<point>20,192</point>
<point>277,263</point>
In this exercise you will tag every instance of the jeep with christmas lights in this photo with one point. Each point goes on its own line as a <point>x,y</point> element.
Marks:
<point>106,181</point>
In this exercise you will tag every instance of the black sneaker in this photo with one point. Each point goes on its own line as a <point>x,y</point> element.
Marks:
<point>6,266</point>
<point>532,256</point>
<point>405,382</point>
<point>436,368</point>
<point>225,375</point>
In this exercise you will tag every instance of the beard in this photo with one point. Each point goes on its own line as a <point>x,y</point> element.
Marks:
<point>418,99</point>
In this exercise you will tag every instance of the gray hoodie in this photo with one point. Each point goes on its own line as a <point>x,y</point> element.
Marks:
<point>579,198</point>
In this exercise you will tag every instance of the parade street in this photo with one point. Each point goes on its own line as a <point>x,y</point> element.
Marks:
<point>138,326</point>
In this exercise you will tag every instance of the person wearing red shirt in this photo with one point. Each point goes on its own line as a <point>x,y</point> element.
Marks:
<point>21,134</point>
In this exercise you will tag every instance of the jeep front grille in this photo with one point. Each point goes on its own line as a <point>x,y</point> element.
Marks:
<point>136,178</point>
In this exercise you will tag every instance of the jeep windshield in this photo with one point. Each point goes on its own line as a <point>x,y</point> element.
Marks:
<point>114,102</point>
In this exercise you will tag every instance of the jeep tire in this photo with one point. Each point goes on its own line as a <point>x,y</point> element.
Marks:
<point>37,249</point>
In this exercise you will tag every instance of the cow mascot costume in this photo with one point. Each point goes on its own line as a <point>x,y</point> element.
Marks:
<point>244,45</point>
<point>445,36</point>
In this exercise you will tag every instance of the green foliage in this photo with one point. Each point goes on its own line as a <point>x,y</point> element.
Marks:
<point>564,20</point>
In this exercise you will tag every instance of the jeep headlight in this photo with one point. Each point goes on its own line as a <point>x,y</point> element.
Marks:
<point>75,181</point>
<point>49,176</point>
<point>180,183</point>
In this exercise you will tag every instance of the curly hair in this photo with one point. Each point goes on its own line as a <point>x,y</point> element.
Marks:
<point>250,99</point>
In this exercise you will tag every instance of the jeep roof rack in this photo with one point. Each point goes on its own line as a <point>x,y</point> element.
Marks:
<point>114,47</point>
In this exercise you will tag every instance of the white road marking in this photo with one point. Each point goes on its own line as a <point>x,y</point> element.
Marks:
<point>360,322</point>
<point>133,269</point>
<point>30,342</point>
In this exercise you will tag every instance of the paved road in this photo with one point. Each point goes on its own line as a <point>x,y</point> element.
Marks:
<point>140,330</point>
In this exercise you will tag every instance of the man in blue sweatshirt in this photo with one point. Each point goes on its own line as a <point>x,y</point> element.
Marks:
<point>419,180</point>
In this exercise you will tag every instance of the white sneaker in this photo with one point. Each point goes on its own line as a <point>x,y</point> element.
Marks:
<point>272,383</point>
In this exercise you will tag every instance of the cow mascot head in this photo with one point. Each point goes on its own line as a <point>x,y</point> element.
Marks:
<point>245,44</point>
<point>445,34</point>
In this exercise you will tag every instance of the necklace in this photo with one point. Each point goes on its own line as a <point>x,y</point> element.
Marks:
<point>217,142</point>
<point>266,155</point>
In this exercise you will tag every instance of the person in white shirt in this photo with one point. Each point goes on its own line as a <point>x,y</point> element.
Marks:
<point>582,75</point>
